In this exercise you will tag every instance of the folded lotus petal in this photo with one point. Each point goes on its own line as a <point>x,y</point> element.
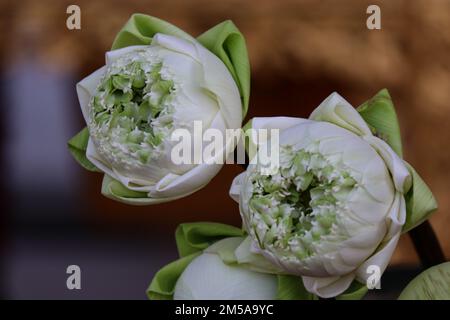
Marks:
<point>225,249</point>
<point>328,287</point>
<point>400,174</point>
<point>187,183</point>
<point>246,255</point>
<point>216,79</point>
<point>382,255</point>
<point>280,123</point>
<point>199,175</point>
<point>94,157</point>
<point>113,55</point>
<point>115,190</point>
<point>227,42</point>
<point>235,189</point>
<point>208,277</point>
<point>86,90</point>
<point>337,110</point>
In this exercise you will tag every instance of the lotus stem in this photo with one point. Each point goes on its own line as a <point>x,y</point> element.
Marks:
<point>427,245</point>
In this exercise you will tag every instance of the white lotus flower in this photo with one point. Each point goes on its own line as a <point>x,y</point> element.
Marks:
<point>207,277</point>
<point>143,93</point>
<point>334,206</point>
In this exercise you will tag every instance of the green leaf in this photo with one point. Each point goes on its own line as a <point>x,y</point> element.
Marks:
<point>291,288</point>
<point>140,29</point>
<point>356,291</point>
<point>380,115</point>
<point>420,202</point>
<point>432,284</point>
<point>227,42</point>
<point>163,284</point>
<point>77,147</point>
<point>197,236</point>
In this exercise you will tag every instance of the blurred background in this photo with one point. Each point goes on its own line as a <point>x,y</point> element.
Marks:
<point>52,212</point>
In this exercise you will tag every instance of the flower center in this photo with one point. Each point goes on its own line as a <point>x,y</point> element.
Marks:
<point>132,110</point>
<point>291,211</point>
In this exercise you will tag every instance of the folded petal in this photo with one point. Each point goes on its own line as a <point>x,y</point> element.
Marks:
<point>399,172</point>
<point>254,261</point>
<point>113,55</point>
<point>235,189</point>
<point>337,110</point>
<point>328,287</point>
<point>86,89</point>
<point>382,255</point>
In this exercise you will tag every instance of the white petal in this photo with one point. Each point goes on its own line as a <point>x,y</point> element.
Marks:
<point>328,287</point>
<point>107,192</point>
<point>337,110</point>
<point>220,83</point>
<point>400,174</point>
<point>280,123</point>
<point>176,44</point>
<point>94,157</point>
<point>113,55</point>
<point>207,277</point>
<point>395,221</point>
<point>217,78</point>
<point>235,189</point>
<point>245,254</point>
<point>86,89</point>
<point>195,178</point>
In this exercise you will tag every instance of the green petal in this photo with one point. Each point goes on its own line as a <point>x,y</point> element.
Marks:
<point>227,42</point>
<point>77,147</point>
<point>140,29</point>
<point>356,291</point>
<point>380,115</point>
<point>420,202</point>
<point>163,284</point>
<point>291,288</point>
<point>197,236</point>
<point>432,284</point>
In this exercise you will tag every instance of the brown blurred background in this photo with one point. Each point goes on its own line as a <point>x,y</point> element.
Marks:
<point>300,51</point>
